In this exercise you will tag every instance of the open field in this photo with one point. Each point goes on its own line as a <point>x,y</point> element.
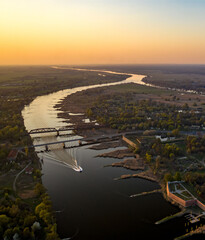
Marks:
<point>79,102</point>
<point>30,81</point>
<point>189,77</point>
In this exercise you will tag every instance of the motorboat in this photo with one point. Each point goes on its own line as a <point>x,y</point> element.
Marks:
<point>78,169</point>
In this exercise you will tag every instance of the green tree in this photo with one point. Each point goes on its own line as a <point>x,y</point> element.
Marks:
<point>14,210</point>
<point>177,176</point>
<point>8,234</point>
<point>148,157</point>
<point>39,189</point>
<point>157,163</point>
<point>37,173</point>
<point>137,149</point>
<point>4,220</point>
<point>39,208</point>
<point>52,236</point>
<point>26,233</point>
<point>175,132</point>
<point>89,112</point>
<point>168,177</point>
<point>29,220</point>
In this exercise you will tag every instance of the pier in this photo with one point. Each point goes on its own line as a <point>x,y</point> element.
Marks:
<point>194,219</point>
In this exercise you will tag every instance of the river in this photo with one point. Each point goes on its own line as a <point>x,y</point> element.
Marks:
<point>91,205</point>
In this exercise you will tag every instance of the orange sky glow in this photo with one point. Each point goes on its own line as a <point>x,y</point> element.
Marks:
<point>101,32</point>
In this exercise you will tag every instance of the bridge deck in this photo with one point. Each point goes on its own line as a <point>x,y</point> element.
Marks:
<point>48,130</point>
<point>57,142</point>
<point>71,140</point>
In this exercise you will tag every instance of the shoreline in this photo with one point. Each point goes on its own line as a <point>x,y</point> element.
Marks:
<point>144,175</point>
<point>95,131</point>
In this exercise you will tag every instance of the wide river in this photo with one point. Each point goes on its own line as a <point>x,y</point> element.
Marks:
<point>91,205</point>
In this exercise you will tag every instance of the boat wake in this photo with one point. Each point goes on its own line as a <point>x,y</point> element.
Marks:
<point>75,234</point>
<point>62,157</point>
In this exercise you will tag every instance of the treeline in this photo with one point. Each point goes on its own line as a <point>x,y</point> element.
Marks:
<point>18,221</point>
<point>160,156</point>
<point>163,159</point>
<point>195,144</point>
<point>167,151</point>
<point>197,180</point>
<point>31,81</point>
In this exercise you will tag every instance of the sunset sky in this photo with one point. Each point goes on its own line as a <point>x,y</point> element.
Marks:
<point>102,31</point>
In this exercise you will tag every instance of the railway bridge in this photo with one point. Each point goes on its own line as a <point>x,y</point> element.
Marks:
<point>50,130</point>
<point>80,141</point>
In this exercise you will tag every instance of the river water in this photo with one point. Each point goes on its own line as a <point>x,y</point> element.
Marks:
<point>91,204</point>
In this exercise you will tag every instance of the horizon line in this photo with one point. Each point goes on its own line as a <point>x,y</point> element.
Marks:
<point>105,64</point>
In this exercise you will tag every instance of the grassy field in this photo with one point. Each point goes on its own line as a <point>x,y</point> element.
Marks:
<point>139,89</point>
<point>174,76</point>
<point>192,191</point>
<point>38,80</point>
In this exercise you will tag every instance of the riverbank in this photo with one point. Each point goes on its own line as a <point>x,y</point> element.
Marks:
<point>199,231</point>
<point>118,154</point>
<point>147,175</point>
<point>22,86</point>
<point>107,145</point>
<point>132,164</point>
<point>179,214</point>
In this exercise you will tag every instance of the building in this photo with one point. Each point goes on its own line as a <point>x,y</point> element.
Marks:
<point>177,192</point>
<point>29,170</point>
<point>13,155</point>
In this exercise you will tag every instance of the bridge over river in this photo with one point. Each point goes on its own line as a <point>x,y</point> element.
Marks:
<point>58,130</point>
<point>88,141</point>
<point>80,140</point>
<point>50,130</point>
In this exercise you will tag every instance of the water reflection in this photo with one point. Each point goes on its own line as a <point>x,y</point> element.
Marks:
<point>57,152</point>
<point>94,206</point>
<point>64,157</point>
<point>42,114</point>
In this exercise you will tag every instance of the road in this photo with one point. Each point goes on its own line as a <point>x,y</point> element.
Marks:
<point>14,183</point>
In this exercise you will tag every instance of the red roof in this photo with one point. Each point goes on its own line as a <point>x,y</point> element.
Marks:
<point>13,154</point>
<point>28,169</point>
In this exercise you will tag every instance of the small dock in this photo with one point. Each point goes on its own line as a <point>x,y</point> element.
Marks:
<point>194,219</point>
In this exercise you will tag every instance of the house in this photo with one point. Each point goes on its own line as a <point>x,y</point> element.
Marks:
<point>13,155</point>
<point>162,138</point>
<point>29,170</point>
<point>195,127</point>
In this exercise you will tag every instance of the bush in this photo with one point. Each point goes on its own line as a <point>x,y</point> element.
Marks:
<point>168,177</point>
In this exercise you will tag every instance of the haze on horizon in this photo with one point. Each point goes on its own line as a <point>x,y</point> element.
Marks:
<point>102,31</point>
